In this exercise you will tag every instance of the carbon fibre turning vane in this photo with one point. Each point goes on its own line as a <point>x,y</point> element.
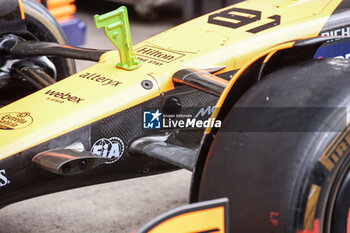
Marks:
<point>202,79</point>
<point>67,161</point>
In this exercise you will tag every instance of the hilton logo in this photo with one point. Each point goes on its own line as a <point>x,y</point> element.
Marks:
<point>158,54</point>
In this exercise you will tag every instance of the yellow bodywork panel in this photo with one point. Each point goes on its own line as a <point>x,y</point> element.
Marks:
<point>198,221</point>
<point>103,89</point>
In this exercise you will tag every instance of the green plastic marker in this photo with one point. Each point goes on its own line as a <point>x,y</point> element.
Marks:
<point>117,29</point>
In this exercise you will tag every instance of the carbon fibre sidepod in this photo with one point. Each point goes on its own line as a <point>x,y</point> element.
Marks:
<point>29,180</point>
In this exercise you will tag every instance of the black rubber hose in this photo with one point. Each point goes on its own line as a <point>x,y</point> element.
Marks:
<point>33,74</point>
<point>36,48</point>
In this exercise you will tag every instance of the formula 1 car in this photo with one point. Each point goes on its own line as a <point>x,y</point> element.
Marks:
<point>249,98</point>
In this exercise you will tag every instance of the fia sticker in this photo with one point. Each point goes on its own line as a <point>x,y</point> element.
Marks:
<point>111,148</point>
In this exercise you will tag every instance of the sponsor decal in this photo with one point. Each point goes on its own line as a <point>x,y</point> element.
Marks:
<point>149,61</point>
<point>15,120</point>
<point>100,79</point>
<point>3,179</point>
<point>205,111</point>
<point>310,211</point>
<point>157,56</point>
<point>157,120</point>
<point>335,47</point>
<point>347,56</point>
<point>332,49</point>
<point>337,150</point>
<point>59,97</point>
<point>337,32</point>
<point>111,148</point>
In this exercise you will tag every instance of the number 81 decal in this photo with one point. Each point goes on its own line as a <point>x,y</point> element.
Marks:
<point>227,18</point>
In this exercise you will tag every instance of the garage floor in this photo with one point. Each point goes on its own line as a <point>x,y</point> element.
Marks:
<point>113,207</point>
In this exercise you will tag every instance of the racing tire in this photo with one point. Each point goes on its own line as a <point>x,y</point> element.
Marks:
<point>42,26</point>
<point>286,178</point>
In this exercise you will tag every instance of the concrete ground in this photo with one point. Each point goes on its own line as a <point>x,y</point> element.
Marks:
<point>113,207</point>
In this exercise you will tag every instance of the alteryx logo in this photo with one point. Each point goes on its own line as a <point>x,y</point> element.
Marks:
<point>151,119</point>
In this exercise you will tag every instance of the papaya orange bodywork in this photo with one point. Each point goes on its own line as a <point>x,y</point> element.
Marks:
<point>104,90</point>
